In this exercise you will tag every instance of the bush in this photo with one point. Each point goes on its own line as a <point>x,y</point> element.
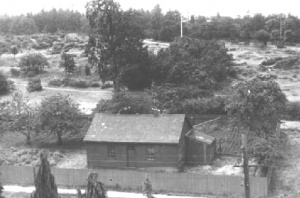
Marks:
<point>34,63</point>
<point>135,78</point>
<point>125,104</point>
<point>14,50</point>
<point>4,85</point>
<point>15,72</point>
<point>271,61</point>
<point>67,62</point>
<point>76,83</point>
<point>95,84</point>
<point>288,63</point>
<point>87,70</point>
<point>11,85</point>
<point>107,85</point>
<point>171,99</point>
<point>211,105</point>
<point>292,111</point>
<point>56,82</point>
<point>34,85</point>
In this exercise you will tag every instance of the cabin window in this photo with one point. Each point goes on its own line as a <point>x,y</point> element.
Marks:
<point>111,151</point>
<point>150,153</point>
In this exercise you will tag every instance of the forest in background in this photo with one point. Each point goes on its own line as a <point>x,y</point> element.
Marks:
<point>163,26</point>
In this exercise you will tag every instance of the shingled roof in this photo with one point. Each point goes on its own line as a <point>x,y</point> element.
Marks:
<point>135,128</point>
<point>197,134</point>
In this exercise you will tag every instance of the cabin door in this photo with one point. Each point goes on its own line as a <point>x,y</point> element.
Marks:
<point>131,160</point>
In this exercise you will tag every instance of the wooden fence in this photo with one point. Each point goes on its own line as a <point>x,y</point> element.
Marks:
<point>132,179</point>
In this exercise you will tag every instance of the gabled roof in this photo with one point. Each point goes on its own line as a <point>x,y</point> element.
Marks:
<point>136,128</point>
<point>196,134</point>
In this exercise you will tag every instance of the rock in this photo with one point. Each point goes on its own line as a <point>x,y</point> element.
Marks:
<point>69,46</point>
<point>267,76</point>
<point>57,47</point>
<point>72,37</point>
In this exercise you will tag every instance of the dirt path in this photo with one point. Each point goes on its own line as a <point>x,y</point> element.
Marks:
<point>24,84</point>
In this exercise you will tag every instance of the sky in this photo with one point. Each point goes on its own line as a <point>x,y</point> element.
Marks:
<point>207,8</point>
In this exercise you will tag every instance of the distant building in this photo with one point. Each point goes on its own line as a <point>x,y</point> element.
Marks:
<point>145,140</point>
<point>155,46</point>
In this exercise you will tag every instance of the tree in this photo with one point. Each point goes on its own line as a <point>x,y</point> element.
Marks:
<point>44,182</point>
<point>156,21</point>
<point>288,35</point>
<point>21,115</point>
<point>33,62</point>
<point>67,62</point>
<point>257,22</point>
<point>195,62</point>
<point>257,106</point>
<point>262,36</point>
<point>170,26</point>
<point>4,84</point>
<point>58,115</point>
<point>116,41</point>
<point>14,50</point>
<point>23,25</point>
<point>275,35</point>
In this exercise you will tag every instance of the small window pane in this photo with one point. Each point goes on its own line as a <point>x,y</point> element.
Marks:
<point>111,151</point>
<point>150,153</point>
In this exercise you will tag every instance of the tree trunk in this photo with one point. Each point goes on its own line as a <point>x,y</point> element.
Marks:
<point>116,85</point>
<point>28,139</point>
<point>59,139</point>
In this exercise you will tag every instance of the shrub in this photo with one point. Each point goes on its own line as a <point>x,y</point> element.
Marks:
<point>77,83</point>
<point>4,85</point>
<point>135,78</point>
<point>107,85</point>
<point>11,85</point>
<point>95,84</point>
<point>15,72</point>
<point>211,105</point>
<point>34,85</point>
<point>292,111</point>
<point>87,70</point>
<point>14,50</point>
<point>288,63</point>
<point>271,61</point>
<point>55,82</point>
<point>171,98</point>
<point>67,62</point>
<point>125,104</point>
<point>34,63</point>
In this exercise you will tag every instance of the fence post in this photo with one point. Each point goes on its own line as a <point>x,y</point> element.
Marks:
<point>34,175</point>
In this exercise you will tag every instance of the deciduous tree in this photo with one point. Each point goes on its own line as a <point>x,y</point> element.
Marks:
<point>22,116</point>
<point>257,106</point>
<point>116,41</point>
<point>58,115</point>
<point>262,36</point>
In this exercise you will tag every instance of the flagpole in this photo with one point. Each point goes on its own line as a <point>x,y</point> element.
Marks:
<point>181,25</point>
